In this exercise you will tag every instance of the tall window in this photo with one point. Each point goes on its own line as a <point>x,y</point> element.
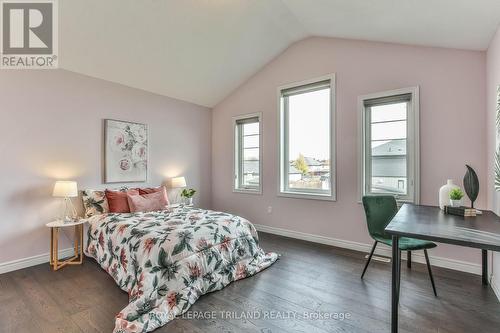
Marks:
<point>247,160</point>
<point>306,139</point>
<point>390,144</point>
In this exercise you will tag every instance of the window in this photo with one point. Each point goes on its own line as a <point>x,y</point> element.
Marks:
<point>390,159</point>
<point>306,139</point>
<point>247,153</point>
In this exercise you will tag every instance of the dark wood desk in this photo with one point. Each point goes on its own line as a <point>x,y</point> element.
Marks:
<point>430,223</point>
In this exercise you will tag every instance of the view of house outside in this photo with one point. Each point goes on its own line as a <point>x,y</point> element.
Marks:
<point>309,141</point>
<point>309,173</point>
<point>309,165</point>
<point>251,150</point>
<point>388,148</point>
<point>304,173</point>
<point>251,175</point>
<point>308,145</point>
<point>389,167</point>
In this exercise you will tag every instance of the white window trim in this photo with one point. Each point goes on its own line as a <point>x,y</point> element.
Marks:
<point>413,139</point>
<point>333,167</point>
<point>235,185</point>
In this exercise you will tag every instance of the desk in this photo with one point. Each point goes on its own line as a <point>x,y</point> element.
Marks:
<point>431,223</point>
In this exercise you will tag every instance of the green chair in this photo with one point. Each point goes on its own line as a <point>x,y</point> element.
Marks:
<point>379,212</point>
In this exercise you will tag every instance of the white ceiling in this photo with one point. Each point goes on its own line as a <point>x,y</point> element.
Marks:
<point>201,50</point>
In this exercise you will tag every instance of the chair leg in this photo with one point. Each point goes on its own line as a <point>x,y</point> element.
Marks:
<point>430,272</point>
<point>408,259</point>
<point>369,258</point>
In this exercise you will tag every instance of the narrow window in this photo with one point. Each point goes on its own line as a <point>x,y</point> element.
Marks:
<point>247,154</point>
<point>390,144</point>
<point>307,139</point>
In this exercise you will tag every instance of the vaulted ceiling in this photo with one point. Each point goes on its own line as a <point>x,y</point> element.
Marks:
<point>201,50</point>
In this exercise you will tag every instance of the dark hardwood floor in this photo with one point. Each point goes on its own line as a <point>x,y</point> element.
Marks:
<point>308,279</point>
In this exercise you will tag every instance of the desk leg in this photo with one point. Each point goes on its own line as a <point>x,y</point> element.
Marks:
<point>395,283</point>
<point>485,267</point>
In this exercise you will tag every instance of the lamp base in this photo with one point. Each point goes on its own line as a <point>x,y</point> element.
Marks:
<point>68,219</point>
<point>69,213</point>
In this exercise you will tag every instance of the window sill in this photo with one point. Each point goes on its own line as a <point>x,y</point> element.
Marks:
<point>398,201</point>
<point>242,191</point>
<point>309,196</point>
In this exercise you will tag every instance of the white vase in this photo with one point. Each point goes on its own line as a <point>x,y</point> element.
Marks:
<point>444,193</point>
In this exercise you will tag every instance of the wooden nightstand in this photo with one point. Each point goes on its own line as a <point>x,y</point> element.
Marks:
<point>77,259</point>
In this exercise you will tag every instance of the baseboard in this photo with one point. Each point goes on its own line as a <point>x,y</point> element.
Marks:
<point>458,265</point>
<point>495,285</point>
<point>32,261</point>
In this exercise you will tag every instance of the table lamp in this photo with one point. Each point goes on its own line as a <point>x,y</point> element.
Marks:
<point>177,183</point>
<point>67,190</point>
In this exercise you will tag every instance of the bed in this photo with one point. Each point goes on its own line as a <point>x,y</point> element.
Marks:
<point>167,259</point>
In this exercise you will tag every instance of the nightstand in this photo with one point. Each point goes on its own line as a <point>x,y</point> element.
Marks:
<point>77,259</point>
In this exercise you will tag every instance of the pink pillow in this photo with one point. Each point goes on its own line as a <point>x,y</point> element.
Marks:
<point>148,202</point>
<point>117,200</point>
<point>149,190</point>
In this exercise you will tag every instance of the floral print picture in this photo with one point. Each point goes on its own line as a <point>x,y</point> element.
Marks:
<point>126,151</point>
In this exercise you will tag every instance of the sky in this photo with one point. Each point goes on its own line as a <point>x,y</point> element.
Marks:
<point>393,129</point>
<point>309,124</point>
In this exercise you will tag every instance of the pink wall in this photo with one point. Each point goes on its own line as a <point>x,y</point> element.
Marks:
<point>51,128</point>
<point>493,80</point>
<point>452,119</point>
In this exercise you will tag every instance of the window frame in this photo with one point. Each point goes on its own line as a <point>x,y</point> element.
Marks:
<point>283,191</point>
<point>412,144</point>
<point>237,148</point>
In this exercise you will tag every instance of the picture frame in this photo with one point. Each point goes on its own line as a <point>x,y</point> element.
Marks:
<point>126,153</point>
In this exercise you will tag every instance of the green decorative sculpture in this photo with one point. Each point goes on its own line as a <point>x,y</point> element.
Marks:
<point>471,184</point>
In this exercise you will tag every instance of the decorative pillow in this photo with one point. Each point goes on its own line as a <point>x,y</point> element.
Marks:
<point>149,190</point>
<point>94,202</point>
<point>148,202</point>
<point>117,200</point>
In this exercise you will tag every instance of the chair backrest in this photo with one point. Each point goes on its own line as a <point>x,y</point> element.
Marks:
<point>379,211</point>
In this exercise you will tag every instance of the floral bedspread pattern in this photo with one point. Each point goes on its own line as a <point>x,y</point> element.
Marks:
<point>166,260</point>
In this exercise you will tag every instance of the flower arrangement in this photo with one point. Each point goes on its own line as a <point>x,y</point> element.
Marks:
<point>188,194</point>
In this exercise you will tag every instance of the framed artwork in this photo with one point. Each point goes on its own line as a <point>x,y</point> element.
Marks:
<point>125,151</point>
<point>497,143</point>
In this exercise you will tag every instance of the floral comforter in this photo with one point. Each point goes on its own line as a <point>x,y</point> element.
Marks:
<point>166,260</point>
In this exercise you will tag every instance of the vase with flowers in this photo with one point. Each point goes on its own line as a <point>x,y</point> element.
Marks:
<point>187,194</point>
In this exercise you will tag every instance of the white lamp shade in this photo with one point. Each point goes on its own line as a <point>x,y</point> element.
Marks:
<point>65,189</point>
<point>178,182</point>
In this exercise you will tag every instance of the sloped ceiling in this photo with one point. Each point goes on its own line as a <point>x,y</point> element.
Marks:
<point>201,50</point>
